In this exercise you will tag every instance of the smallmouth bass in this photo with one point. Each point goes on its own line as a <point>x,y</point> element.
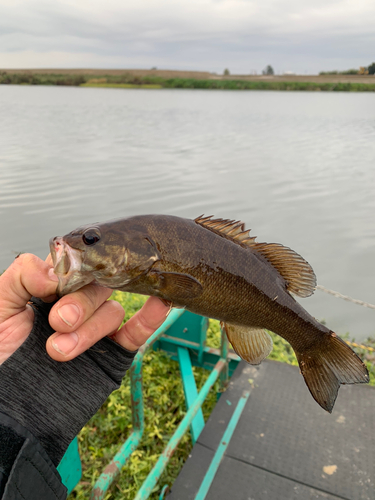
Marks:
<point>213,268</point>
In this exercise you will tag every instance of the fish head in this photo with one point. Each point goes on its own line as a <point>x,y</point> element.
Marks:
<point>109,254</point>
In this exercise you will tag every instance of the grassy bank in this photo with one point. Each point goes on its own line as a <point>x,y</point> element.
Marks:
<point>128,80</point>
<point>164,409</point>
<point>122,85</point>
<point>272,85</point>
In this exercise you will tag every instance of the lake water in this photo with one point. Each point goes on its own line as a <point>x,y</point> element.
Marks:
<point>298,168</point>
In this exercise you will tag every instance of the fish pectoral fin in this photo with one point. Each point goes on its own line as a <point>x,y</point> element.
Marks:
<point>176,286</point>
<point>252,344</point>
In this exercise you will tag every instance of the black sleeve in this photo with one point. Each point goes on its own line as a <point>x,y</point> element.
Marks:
<point>45,403</point>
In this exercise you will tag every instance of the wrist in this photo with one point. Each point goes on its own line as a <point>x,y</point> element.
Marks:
<point>53,399</point>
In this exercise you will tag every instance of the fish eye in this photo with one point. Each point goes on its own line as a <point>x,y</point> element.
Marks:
<point>90,238</point>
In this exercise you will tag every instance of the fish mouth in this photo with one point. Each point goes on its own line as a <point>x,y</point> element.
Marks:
<point>67,263</point>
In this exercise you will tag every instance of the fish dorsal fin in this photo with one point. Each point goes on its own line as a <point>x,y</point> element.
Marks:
<point>233,230</point>
<point>296,271</point>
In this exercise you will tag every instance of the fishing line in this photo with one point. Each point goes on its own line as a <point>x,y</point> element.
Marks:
<point>345,297</point>
<point>354,301</point>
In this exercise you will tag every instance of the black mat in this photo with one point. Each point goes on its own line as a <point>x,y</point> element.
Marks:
<point>285,446</point>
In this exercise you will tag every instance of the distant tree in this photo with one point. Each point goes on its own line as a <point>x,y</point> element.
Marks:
<point>329,72</point>
<point>226,72</point>
<point>363,70</point>
<point>268,70</point>
<point>371,69</point>
<point>350,72</point>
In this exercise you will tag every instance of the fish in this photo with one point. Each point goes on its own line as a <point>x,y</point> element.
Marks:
<point>214,268</point>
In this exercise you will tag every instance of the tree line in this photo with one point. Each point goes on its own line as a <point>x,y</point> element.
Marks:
<point>363,70</point>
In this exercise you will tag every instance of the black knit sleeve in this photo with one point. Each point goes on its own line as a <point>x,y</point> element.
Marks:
<point>54,400</point>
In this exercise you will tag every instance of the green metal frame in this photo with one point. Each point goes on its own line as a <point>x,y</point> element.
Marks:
<point>190,391</point>
<point>190,332</point>
<point>224,442</point>
<point>70,468</point>
<point>183,337</point>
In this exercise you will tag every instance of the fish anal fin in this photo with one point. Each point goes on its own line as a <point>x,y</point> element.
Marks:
<point>297,272</point>
<point>329,365</point>
<point>251,344</point>
<point>175,286</point>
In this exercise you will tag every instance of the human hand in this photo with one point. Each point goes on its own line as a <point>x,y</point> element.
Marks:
<point>79,319</point>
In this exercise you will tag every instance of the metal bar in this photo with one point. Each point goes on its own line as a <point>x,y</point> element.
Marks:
<point>153,477</point>
<point>163,492</point>
<point>210,354</point>
<point>224,348</point>
<point>210,474</point>
<point>190,390</point>
<point>113,469</point>
<point>202,338</point>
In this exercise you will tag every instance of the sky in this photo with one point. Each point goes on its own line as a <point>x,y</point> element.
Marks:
<point>301,36</point>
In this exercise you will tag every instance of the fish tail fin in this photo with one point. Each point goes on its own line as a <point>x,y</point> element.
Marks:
<point>328,366</point>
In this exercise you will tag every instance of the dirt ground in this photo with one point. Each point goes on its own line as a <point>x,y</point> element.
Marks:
<point>201,75</point>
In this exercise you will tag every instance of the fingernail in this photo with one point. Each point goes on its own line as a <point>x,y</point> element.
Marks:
<point>65,342</point>
<point>51,274</point>
<point>69,314</point>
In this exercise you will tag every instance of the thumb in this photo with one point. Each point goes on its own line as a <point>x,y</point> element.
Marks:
<point>26,276</point>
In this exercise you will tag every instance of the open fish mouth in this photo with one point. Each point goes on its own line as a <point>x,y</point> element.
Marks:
<point>67,263</point>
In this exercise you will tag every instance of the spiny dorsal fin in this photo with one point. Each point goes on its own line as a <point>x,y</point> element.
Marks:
<point>297,272</point>
<point>233,230</point>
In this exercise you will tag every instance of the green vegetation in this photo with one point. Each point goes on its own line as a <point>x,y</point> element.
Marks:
<point>101,438</point>
<point>131,81</point>
<point>122,85</point>
<point>265,85</point>
<point>29,78</point>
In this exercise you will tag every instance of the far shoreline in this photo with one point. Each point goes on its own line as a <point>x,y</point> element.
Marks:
<point>158,79</point>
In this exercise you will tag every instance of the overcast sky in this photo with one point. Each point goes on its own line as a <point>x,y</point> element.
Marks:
<point>304,36</point>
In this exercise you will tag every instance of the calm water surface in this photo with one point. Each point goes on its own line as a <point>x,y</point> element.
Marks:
<point>298,167</point>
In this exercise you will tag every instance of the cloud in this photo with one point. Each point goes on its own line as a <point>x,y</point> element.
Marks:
<point>196,34</point>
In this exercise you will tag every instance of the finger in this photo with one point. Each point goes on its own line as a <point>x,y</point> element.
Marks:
<point>142,325</point>
<point>49,260</point>
<point>26,276</point>
<point>106,319</point>
<point>74,309</point>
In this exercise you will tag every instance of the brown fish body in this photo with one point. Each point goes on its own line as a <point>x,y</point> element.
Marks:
<point>238,285</point>
<point>214,269</point>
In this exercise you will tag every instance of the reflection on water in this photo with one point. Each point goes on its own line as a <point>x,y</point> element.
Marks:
<point>297,167</point>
